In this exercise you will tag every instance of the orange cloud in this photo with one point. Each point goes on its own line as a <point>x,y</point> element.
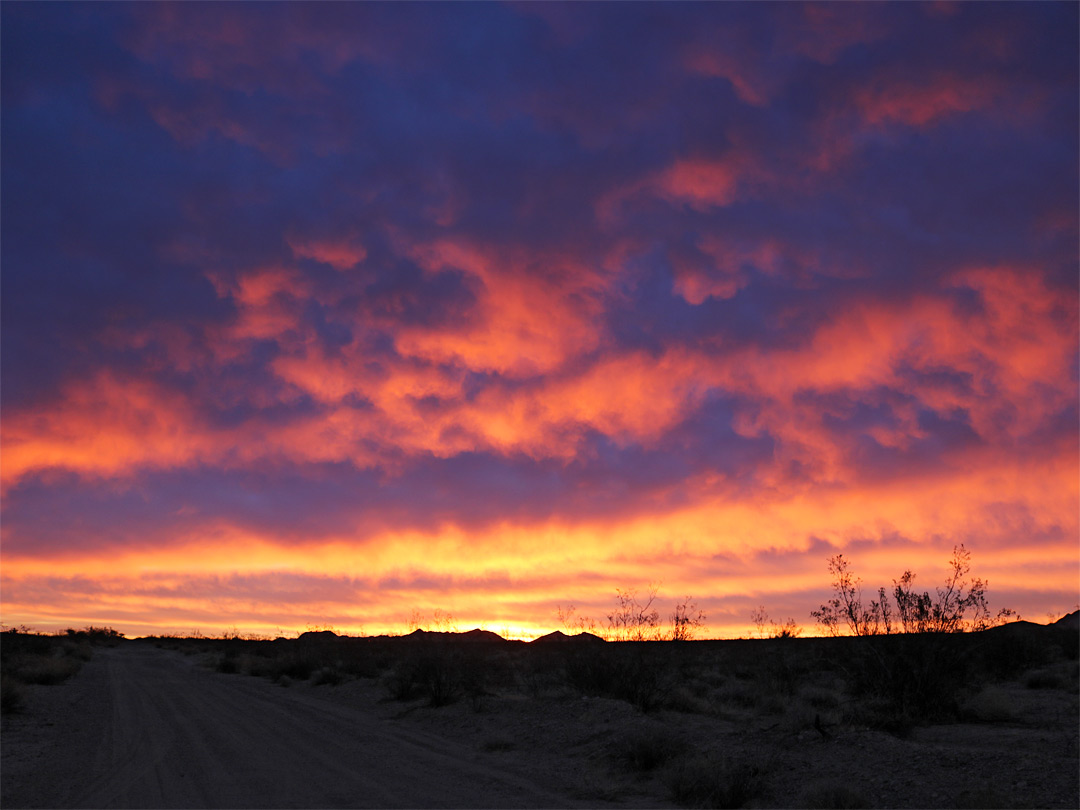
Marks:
<point>532,312</point>
<point>701,183</point>
<point>1015,354</point>
<point>104,426</point>
<point>341,255</point>
<point>724,274</point>
<point>923,104</point>
<point>822,31</point>
<point>730,554</point>
<point>720,62</point>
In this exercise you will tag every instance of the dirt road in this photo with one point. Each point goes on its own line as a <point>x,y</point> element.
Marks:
<point>150,728</point>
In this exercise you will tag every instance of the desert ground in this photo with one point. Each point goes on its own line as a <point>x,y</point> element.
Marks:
<point>469,720</point>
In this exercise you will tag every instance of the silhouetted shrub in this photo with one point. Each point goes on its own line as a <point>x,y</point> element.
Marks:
<point>402,681</point>
<point>106,636</point>
<point>646,749</point>
<point>331,676</point>
<point>1068,640</point>
<point>19,642</point>
<point>1006,652</point>
<point>1044,679</point>
<point>438,678</point>
<point>783,670</point>
<point>474,672</point>
<point>80,651</point>
<point>634,672</point>
<point>702,782</point>
<point>12,699</point>
<point>297,666</point>
<point>361,665</point>
<point>684,699</point>
<point>432,674</point>
<point>991,705</point>
<point>910,679</point>
<point>883,715</point>
<point>46,670</point>
<point>820,698</point>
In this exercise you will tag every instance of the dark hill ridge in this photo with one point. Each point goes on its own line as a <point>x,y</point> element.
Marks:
<point>560,637</point>
<point>475,635</point>
<point>472,635</point>
<point>1070,621</point>
<point>319,635</point>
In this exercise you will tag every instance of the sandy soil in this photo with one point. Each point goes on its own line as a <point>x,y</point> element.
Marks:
<point>147,727</point>
<point>142,727</point>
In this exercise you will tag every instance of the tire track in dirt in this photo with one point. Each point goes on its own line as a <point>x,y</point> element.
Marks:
<point>177,735</point>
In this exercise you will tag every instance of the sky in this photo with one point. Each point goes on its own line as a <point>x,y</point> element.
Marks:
<point>343,314</point>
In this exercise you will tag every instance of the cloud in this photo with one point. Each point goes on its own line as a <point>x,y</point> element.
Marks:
<point>341,255</point>
<point>503,306</point>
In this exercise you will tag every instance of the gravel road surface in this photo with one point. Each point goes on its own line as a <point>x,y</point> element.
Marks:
<point>146,728</point>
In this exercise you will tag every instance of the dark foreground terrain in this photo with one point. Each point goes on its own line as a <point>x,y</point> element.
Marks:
<point>441,720</point>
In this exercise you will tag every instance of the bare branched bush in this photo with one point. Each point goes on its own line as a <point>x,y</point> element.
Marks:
<point>846,609</point>
<point>766,627</point>
<point>686,620</point>
<point>443,621</point>
<point>787,629</point>
<point>633,620</point>
<point>760,619</point>
<point>573,623</point>
<point>959,605</point>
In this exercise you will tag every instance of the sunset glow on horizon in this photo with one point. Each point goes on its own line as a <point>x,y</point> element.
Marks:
<point>344,314</point>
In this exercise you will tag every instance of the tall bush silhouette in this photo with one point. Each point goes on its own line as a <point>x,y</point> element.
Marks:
<point>633,620</point>
<point>686,620</point>
<point>960,604</point>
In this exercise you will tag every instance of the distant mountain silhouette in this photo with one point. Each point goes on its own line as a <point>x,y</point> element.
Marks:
<point>1070,621</point>
<point>560,637</point>
<point>479,635</point>
<point>471,635</point>
<point>318,635</point>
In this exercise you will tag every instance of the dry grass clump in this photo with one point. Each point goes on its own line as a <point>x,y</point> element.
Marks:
<point>635,673</point>
<point>991,705</point>
<point>329,675</point>
<point>705,782</point>
<point>688,700</point>
<point>821,698</point>
<point>46,669</point>
<point>436,676</point>
<point>35,658</point>
<point>739,692</point>
<point>12,699</point>
<point>77,650</point>
<point>227,664</point>
<point>645,749</point>
<point>1065,676</point>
